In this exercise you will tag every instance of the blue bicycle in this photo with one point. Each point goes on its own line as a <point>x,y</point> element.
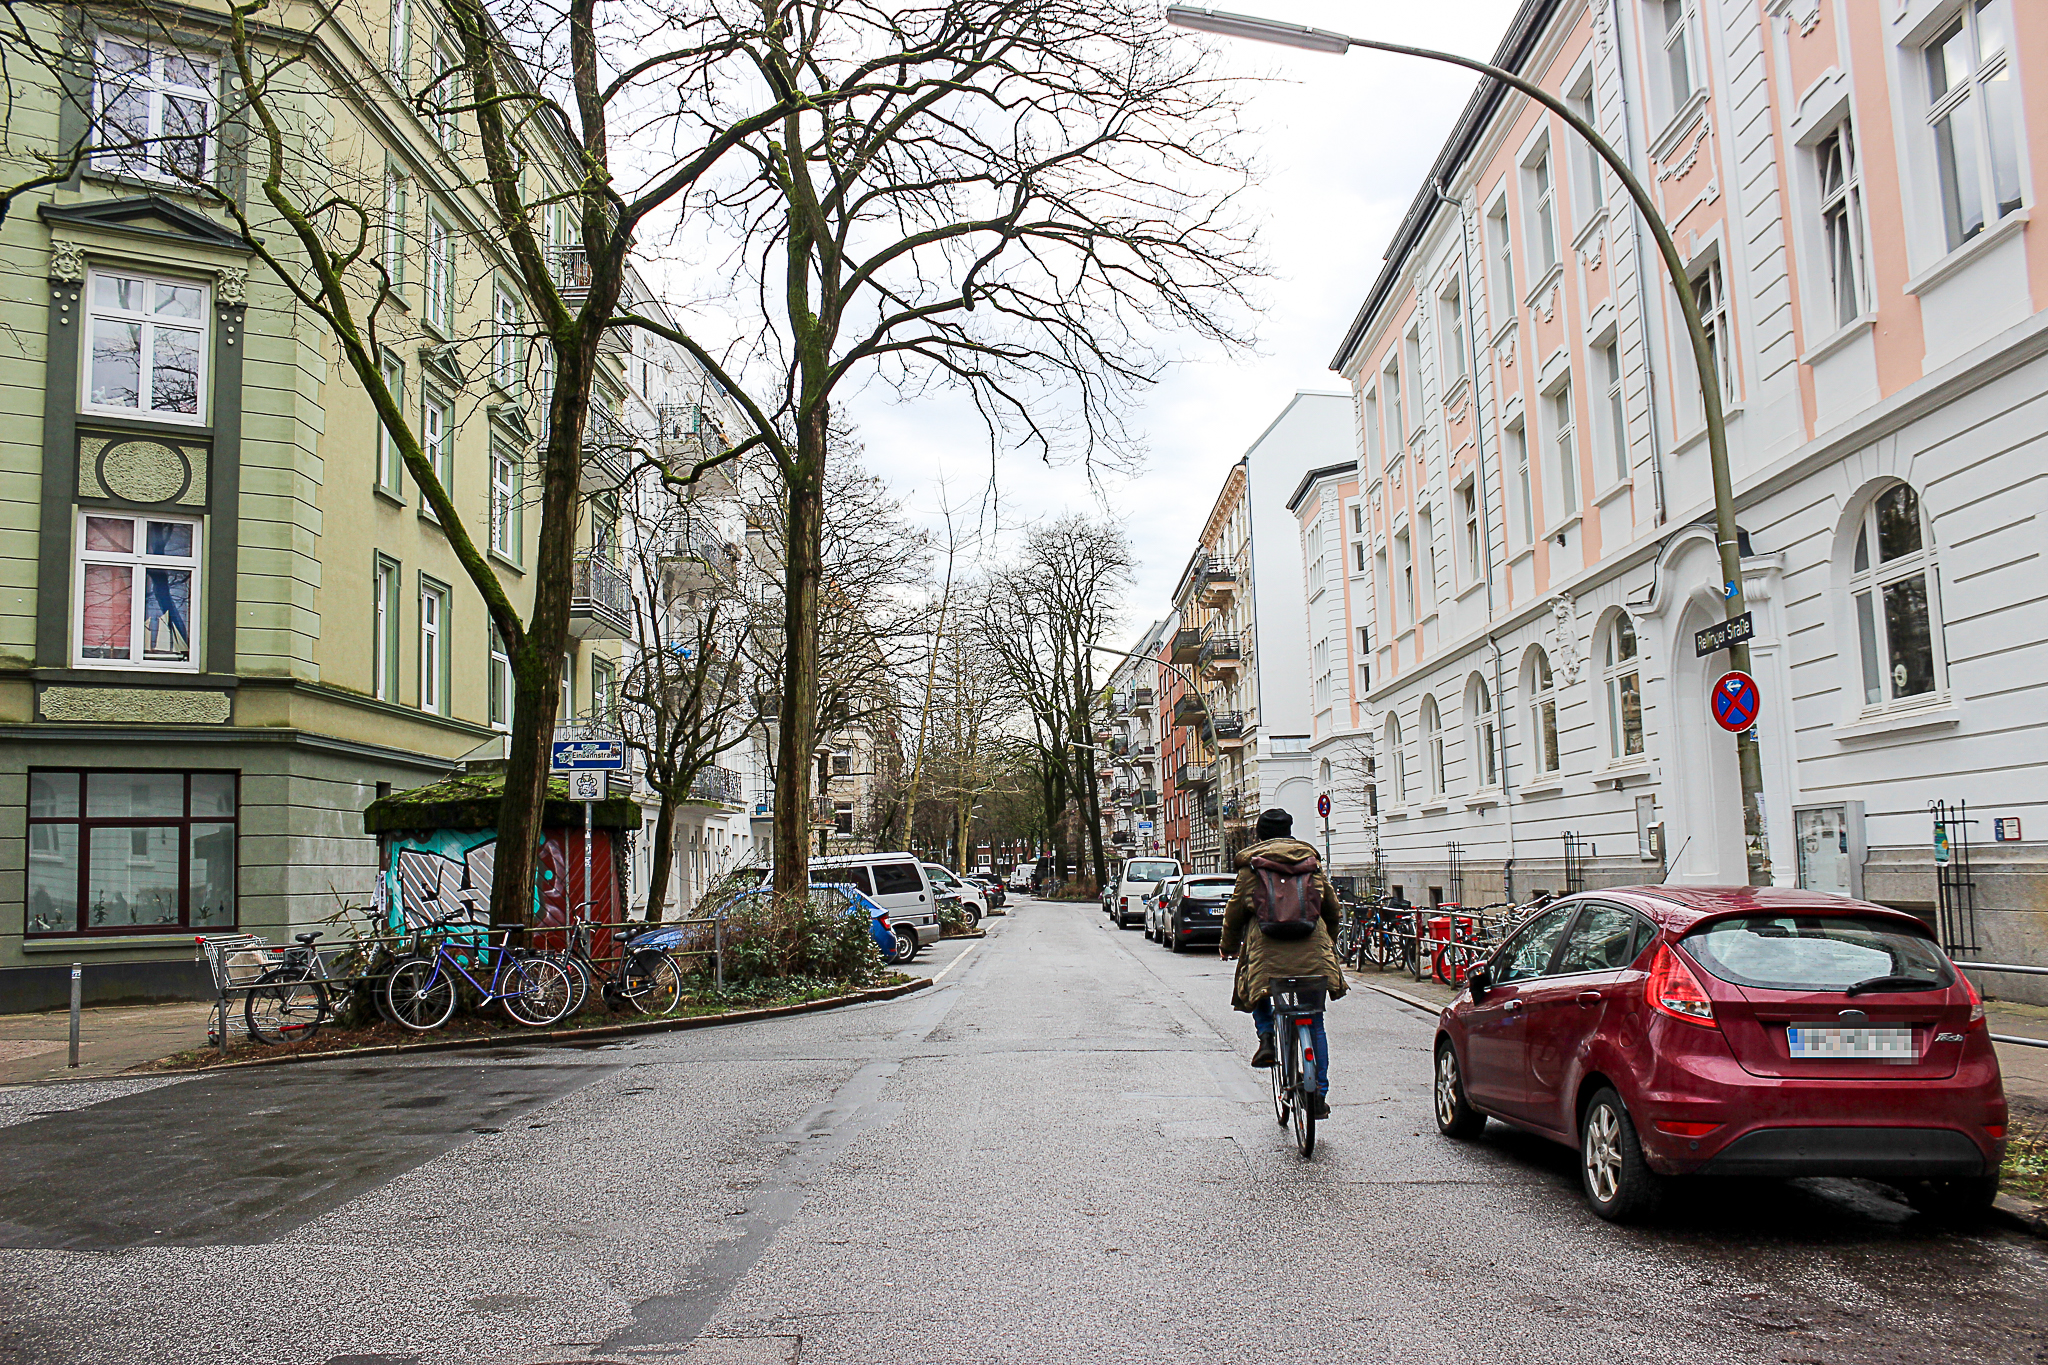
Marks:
<point>420,993</point>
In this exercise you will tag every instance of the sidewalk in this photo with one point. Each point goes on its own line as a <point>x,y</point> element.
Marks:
<point>2025,1068</point>
<point>111,1038</point>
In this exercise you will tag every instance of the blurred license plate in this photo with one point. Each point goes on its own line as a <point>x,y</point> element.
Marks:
<point>1829,1042</point>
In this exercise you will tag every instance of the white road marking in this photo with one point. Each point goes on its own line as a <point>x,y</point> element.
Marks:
<point>954,963</point>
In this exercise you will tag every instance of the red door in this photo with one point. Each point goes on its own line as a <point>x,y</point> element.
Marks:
<point>1567,1008</point>
<point>1496,1038</point>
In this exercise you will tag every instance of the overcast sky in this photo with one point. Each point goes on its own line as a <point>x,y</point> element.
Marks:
<point>1346,142</point>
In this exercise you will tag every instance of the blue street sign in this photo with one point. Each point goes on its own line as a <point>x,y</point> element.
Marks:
<point>1736,702</point>
<point>572,755</point>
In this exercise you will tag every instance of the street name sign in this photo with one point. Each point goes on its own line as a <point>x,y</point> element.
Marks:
<point>1722,634</point>
<point>574,755</point>
<point>1736,702</point>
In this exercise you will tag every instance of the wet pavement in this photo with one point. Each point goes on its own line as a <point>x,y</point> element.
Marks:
<point>1056,1154</point>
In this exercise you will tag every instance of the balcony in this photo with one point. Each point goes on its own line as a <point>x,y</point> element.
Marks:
<point>1219,585</point>
<point>1187,644</point>
<point>609,448</point>
<point>689,435</point>
<point>1147,799</point>
<point>1189,710</point>
<point>1230,727</point>
<point>1195,775</point>
<point>716,784</point>
<point>1220,654</point>
<point>571,265</point>
<point>1143,699</point>
<point>600,601</point>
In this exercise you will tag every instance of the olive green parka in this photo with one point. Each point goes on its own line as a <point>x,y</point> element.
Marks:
<point>1264,958</point>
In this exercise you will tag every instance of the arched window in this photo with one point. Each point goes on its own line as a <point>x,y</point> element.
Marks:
<point>1623,673</point>
<point>1397,762</point>
<point>1892,587</point>
<point>1433,746</point>
<point>1323,774</point>
<point>1485,739</point>
<point>1540,687</point>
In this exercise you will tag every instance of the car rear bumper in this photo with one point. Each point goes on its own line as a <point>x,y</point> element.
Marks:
<point>1879,1153</point>
<point>1199,932</point>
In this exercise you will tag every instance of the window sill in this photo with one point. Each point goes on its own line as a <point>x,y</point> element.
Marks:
<point>1565,527</point>
<point>168,421</point>
<point>1680,123</point>
<point>1591,227</point>
<point>1859,326</point>
<point>1522,556</point>
<point>387,495</point>
<point>1899,723</point>
<point>1474,586</point>
<point>1551,276</point>
<point>1397,813</point>
<point>427,516</point>
<point>1458,392</point>
<point>1624,769</point>
<point>1437,809</point>
<point>1480,800</point>
<point>1548,787</point>
<point>1968,252</point>
<point>1612,491</point>
<point>505,563</point>
<point>106,670</point>
<point>103,942</point>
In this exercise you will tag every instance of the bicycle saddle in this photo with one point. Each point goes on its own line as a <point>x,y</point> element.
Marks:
<point>306,938</point>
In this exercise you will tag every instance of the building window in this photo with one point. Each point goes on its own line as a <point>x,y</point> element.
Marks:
<point>437,438</point>
<point>1973,110</point>
<point>1541,688</point>
<point>1564,442</point>
<point>507,340</point>
<point>1525,499</point>
<point>440,275</point>
<point>1425,532</point>
<point>1711,294</point>
<point>1894,590</point>
<point>1369,418</point>
<point>1313,550</point>
<point>130,852</point>
<point>447,93</point>
<point>1485,741</point>
<point>1450,331</point>
<point>398,42</point>
<point>498,683</point>
<point>1841,221</point>
<point>1411,372</point>
<point>1624,690</point>
<point>1614,426</point>
<point>1364,660</point>
<point>1588,186</point>
<point>1397,434</point>
<point>156,111</point>
<point>395,196</point>
<point>1468,518</point>
<point>1433,746</point>
<point>434,653</point>
<point>604,682</point>
<point>842,817</point>
<point>1397,761</point>
<point>148,340</point>
<point>384,629</point>
<point>1502,249</point>
<point>390,460</point>
<point>137,580</point>
<point>1542,225</point>
<point>1404,592</point>
<point>1673,76</point>
<point>505,537</point>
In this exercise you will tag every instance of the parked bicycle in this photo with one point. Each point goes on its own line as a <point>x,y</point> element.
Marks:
<point>532,990</point>
<point>1297,1003</point>
<point>290,1001</point>
<point>642,978</point>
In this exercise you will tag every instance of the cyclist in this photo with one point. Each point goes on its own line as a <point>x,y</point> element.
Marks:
<point>1267,953</point>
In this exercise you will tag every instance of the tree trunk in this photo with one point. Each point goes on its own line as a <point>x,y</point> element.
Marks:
<point>536,691</point>
<point>662,860</point>
<point>801,573</point>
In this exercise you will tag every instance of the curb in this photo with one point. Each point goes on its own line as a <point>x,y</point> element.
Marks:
<point>2019,1215</point>
<point>1428,1007</point>
<point>553,1036</point>
<point>971,933</point>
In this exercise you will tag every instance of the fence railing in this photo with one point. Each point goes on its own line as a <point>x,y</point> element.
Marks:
<point>2010,969</point>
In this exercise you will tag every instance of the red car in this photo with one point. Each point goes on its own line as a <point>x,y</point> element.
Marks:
<point>1671,1031</point>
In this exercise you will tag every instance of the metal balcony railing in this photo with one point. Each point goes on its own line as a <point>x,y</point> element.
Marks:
<point>716,784</point>
<point>1230,725</point>
<point>1187,643</point>
<point>600,601</point>
<point>571,265</point>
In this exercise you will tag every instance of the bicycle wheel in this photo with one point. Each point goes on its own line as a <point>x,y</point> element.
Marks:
<point>1441,963</point>
<point>579,980</point>
<point>1283,1085</point>
<point>660,988</point>
<point>538,991</point>
<point>1304,1114</point>
<point>285,1005</point>
<point>419,995</point>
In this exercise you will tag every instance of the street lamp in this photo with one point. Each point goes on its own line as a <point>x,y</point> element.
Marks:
<point>1323,40</point>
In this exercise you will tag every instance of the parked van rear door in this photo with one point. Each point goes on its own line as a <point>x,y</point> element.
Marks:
<point>901,889</point>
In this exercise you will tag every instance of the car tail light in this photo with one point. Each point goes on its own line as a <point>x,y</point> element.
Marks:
<point>1976,1000</point>
<point>1996,1131</point>
<point>1685,1130</point>
<point>1674,990</point>
<point>1127,902</point>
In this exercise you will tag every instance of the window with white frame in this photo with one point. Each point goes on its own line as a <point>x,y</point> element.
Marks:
<point>1425,535</point>
<point>1539,685</point>
<point>1973,113</point>
<point>384,629</point>
<point>434,653</point>
<point>1397,430</point>
<point>1623,674</point>
<point>1471,533</point>
<point>1667,29</point>
<point>498,683</point>
<point>1404,574</point>
<point>156,110</point>
<point>439,303</point>
<point>437,437</point>
<point>1501,253</point>
<point>1710,292</point>
<point>1841,221</point>
<point>604,683</point>
<point>1358,555</point>
<point>1313,552</point>
<point>447,93</point>
<point>1433,746</point>
<point>138,577</point>
<point>1364,660</point>
<point>1485,737</point>
<point>397,191</point>
<point>1397,761</point>
<point>1564,447</point>
<point>1614,419</point>
<point>147,337</point>
<point>508,339</point>
<point>1894,590</point>
<point>1450,333</point>
<point>1369,419</point>
<point>398,42</point>
<point>1589,191</point>
<point>505,537</point>
<point>1539,193</point>
<point>1411,375</point>
<point>390,461</point>
<point>1322,675</point>
<point>1525,492</point>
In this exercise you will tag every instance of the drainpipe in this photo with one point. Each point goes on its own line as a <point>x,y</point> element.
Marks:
<point>1500,719</point>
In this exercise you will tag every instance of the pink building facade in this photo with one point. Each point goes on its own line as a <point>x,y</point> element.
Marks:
<point>1524,552</point>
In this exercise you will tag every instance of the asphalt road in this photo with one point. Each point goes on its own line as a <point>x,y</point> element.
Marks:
<point>1057,1154</point>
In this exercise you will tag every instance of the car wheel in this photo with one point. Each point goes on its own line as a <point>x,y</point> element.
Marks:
<point>1455,1116</point>
<point>1173,943</point>
<point>1619,1183</point>
<point>1953,1201</point>
<point>906,945</point>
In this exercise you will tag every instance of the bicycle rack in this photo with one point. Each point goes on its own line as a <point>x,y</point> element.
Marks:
<point>1576,851</point>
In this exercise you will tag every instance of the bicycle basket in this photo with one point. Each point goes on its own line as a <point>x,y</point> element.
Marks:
<point>1290,993</point>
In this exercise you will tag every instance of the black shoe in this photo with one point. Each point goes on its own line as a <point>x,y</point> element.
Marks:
<point>1318,1107</point>
<point>1265,1055</point>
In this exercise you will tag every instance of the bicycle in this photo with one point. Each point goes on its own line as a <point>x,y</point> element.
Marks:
<point>421,990</point>
<point>290,1001</point>
<point>1297,1003</point>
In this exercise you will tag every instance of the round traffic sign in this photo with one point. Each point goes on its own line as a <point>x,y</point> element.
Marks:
<point>1323,805</point>
<point>1736,702</point>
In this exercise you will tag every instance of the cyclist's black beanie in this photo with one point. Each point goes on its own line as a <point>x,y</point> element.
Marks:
<point>1275,824</point>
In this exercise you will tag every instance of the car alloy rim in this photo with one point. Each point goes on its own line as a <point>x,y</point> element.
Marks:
<point>1446,1087</point>
<point>1603,1154</point>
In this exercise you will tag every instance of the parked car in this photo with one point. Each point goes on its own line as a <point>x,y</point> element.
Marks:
<point>968,893</point>
<point>1020,878</point>
<point>857,903</point>
<point>1697,1031</point>
<point>1191,911</point>
<point>895,881</point>
<point>1153,902</point>
<point>1125,903</point>
<point>998,894</point>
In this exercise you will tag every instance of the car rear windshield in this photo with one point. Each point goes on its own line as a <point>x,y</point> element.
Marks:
<point>1209,890</point>
<point>1151,871</point>
<point>1818,953</point>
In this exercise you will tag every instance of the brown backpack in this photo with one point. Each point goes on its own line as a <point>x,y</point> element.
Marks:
<point>1285,898</point>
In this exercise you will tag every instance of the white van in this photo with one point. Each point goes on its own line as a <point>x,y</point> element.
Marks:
<point>1139,876</point>
<point>971,896</point>
<point>898,884</point>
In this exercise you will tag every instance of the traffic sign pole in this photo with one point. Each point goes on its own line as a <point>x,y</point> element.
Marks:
<point>1323,809</point>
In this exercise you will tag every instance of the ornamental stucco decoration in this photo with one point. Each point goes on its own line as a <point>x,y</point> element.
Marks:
<point>231,286</point>
<point>142,471</point>
<point>1564,637</point>
<point>67,261</point>
<point>143,705</point>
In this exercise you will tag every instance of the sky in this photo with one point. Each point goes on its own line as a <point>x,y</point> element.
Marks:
<point>1346,142</point>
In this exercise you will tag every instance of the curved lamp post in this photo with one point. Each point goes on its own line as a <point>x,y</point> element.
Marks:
<point>1323,40</point>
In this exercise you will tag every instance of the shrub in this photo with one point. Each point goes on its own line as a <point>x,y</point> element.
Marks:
<point>953,917</point>
<point>771,938</point>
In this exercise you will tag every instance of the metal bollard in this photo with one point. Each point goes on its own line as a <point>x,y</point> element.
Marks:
<point>77,977</point>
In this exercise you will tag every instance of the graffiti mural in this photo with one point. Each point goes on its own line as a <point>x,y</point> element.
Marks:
<point>445,874</point>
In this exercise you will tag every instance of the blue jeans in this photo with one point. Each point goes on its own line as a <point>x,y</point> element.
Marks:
<point>1319,1041</point>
